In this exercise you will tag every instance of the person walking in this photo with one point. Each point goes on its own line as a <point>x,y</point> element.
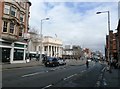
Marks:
<point>87,64</point>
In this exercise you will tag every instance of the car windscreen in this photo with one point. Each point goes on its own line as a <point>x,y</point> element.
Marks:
<point>54,59</point>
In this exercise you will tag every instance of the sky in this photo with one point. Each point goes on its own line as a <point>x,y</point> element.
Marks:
<point>75,22</point>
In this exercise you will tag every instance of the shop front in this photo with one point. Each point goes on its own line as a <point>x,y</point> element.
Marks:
<point>5,48</point>
<point>19,52</point>
<point>13,52</point>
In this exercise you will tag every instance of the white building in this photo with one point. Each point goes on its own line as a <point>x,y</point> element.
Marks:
<point>50,46</point>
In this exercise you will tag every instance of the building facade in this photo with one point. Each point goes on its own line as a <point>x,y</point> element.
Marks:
<point>74,52</point>
<point>14,22</point>
<point>118,33</point>
<point>50,46</point>
<point>87,53</point>
<point>118,41</point>
<point>113,45</point>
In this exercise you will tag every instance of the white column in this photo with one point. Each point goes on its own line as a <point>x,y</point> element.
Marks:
<point>24,53</point>
<point>54,50</point>
<point>48,50</point>
<point>51,50</point>
<point>12,53</point>
<point>58,51</point>
<point>43,49</point>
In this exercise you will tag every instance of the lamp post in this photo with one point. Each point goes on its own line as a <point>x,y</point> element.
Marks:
<point>41,37</point>
<point>109,53</point>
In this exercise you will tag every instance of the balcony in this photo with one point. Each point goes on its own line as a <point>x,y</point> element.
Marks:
<point>9,37</point>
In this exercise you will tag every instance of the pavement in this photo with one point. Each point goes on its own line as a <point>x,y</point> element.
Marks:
<point>39,63</point>
<point>111,79</point>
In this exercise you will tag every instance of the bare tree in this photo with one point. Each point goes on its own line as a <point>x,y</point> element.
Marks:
<point>33,30</point>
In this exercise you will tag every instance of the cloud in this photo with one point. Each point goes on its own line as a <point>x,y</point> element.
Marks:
<point>75,22</point>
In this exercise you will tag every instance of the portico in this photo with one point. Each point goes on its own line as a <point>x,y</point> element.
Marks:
<point>52,47</point>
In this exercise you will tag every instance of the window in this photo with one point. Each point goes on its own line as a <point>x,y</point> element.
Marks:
<point>11,27</point>
<point>22,4</point>
<point>35,48</point>
<point>13,11</point>
<point>18,54</point>
<point>21,17</point>
<point>7,9</point>
<point>20,31</point>
<point>5,26</point>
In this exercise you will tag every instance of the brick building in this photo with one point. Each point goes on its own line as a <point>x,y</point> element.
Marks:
<point>112,45</point>
<point>118,41</point>
<point>14,22</point>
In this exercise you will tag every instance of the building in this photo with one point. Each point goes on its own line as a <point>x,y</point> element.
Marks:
<point>14,22</point>
<point>87,53</point>
<point>50,46</point>
<point>72,53</point>
<point>68,52</point>
<point>113,46</point>
<point>118,33</point>
<point>106,48</point>
<point>118,41</point>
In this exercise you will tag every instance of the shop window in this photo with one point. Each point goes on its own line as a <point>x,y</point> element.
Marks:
<point>11,27</point>
<point>18,54</point>
<point>6,9</point>
<point>5,26</point>
<point>13,11</point>
<point>6,54</point>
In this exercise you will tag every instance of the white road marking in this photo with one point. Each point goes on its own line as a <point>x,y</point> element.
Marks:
<point>103,69</point>
<point>104,82</point>
<point>98,83</point>
<point>32,74</point>
<point>53,68</point>
<point>69,76</point>
<point>46,71</point>
<point>83,71</point>
<point>47,86</point>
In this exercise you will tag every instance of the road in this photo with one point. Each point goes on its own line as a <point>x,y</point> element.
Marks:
<point>61,76</point>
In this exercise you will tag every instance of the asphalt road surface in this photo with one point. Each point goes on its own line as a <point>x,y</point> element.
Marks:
<point>61,76</point>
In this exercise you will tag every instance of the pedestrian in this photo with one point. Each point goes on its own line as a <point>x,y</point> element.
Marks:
<point>87,64</point>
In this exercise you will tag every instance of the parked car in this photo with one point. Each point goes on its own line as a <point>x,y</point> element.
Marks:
<point>51,62</point>
<point>61,61</point>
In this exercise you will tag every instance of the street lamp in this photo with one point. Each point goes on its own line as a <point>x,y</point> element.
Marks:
<point>41,37</point>
<point>108,33</point>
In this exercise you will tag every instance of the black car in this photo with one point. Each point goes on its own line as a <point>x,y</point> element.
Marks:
<point>51,62</point>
